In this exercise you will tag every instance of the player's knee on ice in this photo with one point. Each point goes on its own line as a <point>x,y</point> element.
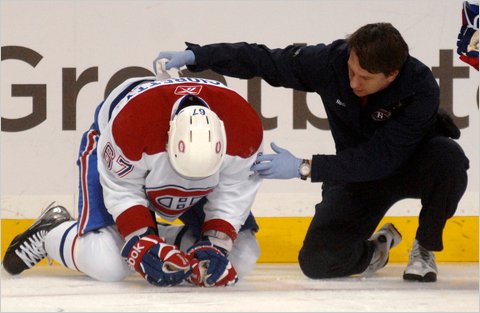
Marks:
<point>245,253</point>
<point>96,254</point>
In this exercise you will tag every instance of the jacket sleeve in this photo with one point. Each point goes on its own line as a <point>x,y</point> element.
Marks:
<point>278,67</point>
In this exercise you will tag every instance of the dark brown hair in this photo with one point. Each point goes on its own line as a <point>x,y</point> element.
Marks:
<point>380,48</point>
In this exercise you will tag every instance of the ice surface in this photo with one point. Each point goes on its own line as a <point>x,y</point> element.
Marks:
<point>269,288</point>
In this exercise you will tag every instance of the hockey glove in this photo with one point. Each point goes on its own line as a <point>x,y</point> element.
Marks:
<point>467,43</point>
<point>175,59</point>
<point>159,263</point>
<point>210,266</point>
<point>282,165</point>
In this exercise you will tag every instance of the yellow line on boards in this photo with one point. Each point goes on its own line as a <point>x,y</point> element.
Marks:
<point>281,238</point>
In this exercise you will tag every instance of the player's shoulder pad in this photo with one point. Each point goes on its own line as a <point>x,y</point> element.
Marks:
<point>243,126</point>
<point>142,124</point>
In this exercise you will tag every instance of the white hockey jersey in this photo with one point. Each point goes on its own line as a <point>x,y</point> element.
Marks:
<point>135,172</point>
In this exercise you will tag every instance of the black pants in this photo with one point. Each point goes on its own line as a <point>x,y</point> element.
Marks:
<point>336,243</point>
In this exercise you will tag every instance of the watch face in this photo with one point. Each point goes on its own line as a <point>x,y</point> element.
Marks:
<point>305,169</point>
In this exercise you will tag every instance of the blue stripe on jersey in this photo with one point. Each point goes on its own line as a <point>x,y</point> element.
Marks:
<point>115,102</point>
<point>123,94</point>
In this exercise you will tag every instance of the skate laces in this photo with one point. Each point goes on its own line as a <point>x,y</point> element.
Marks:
<point>32,250</point>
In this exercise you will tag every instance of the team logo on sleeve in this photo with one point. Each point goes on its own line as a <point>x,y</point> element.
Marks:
<point>187,90</point>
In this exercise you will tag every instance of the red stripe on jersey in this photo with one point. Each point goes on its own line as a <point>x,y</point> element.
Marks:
<point>85,210</point>
<point>163,211</point>
<point>134,218</point>
<point>179,192</point>
<point>220,225</point>
<point>142,125</point>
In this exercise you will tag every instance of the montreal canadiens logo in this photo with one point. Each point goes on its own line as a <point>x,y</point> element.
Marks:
<point>187,90</point>
<point>172,200</point>
<point>381,115</point>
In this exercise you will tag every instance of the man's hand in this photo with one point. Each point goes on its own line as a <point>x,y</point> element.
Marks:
<point>210,266</point>
<point>176,59</point>
<point>159,263</point>
<point>282,165</point>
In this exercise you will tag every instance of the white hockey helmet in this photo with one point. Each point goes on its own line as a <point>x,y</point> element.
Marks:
<point>196,140</point>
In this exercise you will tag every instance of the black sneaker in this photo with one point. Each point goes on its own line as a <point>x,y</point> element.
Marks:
<point>27,248</point>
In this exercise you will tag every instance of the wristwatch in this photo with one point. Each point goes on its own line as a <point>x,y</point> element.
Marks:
<point>305,169</point>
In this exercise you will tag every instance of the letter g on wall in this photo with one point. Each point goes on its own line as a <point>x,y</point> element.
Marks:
<point>38,92</point>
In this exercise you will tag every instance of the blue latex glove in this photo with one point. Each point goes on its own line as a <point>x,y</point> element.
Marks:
<point>282,165</point>
<point>175,59</point>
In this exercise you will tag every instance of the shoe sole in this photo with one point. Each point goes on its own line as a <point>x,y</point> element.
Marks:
<point>428,278</point>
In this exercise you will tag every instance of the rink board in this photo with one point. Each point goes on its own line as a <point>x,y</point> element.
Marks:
<point>281,238</point>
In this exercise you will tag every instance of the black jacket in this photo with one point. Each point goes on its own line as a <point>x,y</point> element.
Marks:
<point>371,142</point>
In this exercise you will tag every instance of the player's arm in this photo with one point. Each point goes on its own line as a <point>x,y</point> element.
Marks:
<point>226,210</point>
<point>229,204</point>
<point>145,252</point>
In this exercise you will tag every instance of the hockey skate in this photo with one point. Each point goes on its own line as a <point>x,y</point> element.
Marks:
<point>27,248</point>
<point>421,265</point>
<point>384,239</point>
